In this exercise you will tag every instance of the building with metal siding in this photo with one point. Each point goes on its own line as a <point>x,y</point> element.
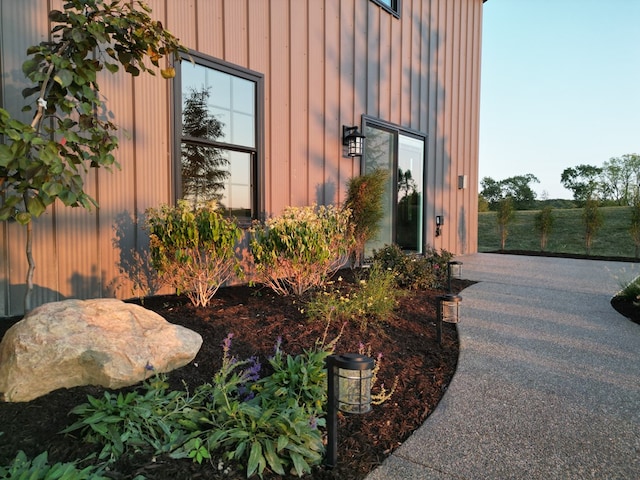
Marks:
<point>407,71</point>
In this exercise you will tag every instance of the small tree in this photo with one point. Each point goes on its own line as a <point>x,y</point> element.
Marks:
<point>634,228</point>
<point>364,199</point>
<point>544,221</point>
<point>504,216</point>
<point>43,160</point>
<point>592,221</point>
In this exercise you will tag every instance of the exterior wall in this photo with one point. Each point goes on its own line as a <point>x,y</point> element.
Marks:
<point>325,64</point>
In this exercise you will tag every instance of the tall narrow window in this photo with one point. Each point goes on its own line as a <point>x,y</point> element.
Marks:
<point>402,154</point>
<point>218,113</point>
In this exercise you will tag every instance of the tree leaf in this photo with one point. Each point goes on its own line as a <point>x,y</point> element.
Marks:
<point>64,78</point>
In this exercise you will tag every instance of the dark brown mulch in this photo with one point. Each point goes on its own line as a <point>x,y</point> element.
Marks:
<point>626,307</point>
<point>257,318</point>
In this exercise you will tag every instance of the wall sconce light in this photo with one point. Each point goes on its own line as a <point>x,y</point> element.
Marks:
<point>439,223</point>
<point>448,312</point>
<point>349,379</point>
<point>454,271</point>
<point>354,141</point>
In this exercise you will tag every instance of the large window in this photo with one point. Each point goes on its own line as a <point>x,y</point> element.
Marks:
<point>402,154</point>
<point>218,123</point>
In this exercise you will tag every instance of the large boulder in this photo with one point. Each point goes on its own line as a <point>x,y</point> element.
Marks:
<point>89,342</point>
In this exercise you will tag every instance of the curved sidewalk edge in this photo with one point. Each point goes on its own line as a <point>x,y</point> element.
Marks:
<point>548,379</point>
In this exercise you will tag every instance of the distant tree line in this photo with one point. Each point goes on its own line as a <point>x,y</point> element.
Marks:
<point>616,182</point>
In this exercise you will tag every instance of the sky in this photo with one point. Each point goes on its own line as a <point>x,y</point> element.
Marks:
<point>560,87</point>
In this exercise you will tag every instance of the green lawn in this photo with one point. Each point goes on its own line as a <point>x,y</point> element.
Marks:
<point>567,236</point>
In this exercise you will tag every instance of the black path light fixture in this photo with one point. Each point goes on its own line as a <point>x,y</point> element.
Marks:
<point>349,378</point>
<point>454,270</point>
<point>448,312</point>
<point>354,141</point>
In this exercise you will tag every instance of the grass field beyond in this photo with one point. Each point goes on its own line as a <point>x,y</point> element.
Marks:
<point>567,235</point>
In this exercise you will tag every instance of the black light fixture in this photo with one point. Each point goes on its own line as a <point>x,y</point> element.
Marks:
<point>448,312</point>
<point>349,378</point>
<point>354,141</point>
<point>454,270</point>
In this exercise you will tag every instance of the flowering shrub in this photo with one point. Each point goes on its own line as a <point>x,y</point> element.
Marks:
<point>416,272</point>
<point>372,301</point>
<point>301,248</point>
<point>193,250</point>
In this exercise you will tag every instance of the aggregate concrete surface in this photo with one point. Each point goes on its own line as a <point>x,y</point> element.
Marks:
<point>548,379</point>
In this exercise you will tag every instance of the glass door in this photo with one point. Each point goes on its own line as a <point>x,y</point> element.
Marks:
<point>402,155</point>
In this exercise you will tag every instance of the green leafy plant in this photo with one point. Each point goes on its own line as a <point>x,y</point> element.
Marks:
<point>134,421</point>
<point>193,250</point>
<point>417,272</point>
<point>592,220</point>
<point>301,248</point>
<point>373,301</point>
<point>258,424</point>
<point>364,199</point>
<point>40,469</point>
<point>543,222</point>
<point>45,159</point>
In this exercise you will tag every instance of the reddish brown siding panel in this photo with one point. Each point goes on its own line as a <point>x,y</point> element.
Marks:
<point>325,64</point>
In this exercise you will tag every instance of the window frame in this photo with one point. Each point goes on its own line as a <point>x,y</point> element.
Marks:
<point>256,152</point>
<point>396,131</point>
<point>394,9</point>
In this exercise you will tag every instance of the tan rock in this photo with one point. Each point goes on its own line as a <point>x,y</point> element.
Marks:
<point>89,342</point>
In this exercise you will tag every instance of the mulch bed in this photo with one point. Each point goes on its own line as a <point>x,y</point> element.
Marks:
<point>257,317</point>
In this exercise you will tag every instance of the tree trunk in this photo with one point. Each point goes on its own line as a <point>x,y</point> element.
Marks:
<point>32,267</point>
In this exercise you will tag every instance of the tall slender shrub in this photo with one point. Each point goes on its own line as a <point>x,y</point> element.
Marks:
<point>544,221</point>
<point>634,228</point>
<point>364,199</point>
<point>193,250</point>
<point>592,220</point>
<point>504,216</point>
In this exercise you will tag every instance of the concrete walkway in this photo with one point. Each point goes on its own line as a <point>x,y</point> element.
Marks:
<point>548,380</point>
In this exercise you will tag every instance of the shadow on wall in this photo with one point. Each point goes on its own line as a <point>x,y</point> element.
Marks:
<point>134,266</point>
<point>462,230</point>
<point>326,193</point>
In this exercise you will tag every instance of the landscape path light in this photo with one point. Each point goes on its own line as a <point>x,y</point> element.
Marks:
<point>349,378</point>
<point>448,312</point>
<point>454,270</point>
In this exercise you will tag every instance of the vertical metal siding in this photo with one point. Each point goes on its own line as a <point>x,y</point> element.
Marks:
<point>325,63</point>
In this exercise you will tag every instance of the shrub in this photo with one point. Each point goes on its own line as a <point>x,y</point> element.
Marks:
<point>544,221</point>
<point>364,199</point>
<point>264,424</point>
<point>372,301</point>
<point>504,216</point>
<point>592,220</point>
<point>193,250</point>
<point>416,272</point>
<point>634,227</point>
<point>301,248</point>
